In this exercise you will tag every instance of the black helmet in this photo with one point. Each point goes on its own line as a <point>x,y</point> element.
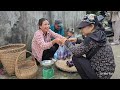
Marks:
<point>87,20</point>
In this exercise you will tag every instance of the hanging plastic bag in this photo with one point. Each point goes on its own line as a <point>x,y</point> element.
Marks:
<point>62,53</point>
<point>68,53</point>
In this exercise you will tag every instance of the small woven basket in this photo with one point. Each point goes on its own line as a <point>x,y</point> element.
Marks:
<point>25,69</point>
<point>61,64</point>
<point>8,55</point>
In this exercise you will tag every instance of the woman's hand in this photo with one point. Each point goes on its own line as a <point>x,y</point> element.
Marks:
<point>72,39</point>
<point>62,40</point>
<point>57,40</point>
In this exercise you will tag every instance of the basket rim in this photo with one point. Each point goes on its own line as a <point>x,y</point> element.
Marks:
<point>16,61</point>
<point>9,45</point>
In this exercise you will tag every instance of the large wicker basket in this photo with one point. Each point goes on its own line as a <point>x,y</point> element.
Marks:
<point>8,55</point>
<point>27,68</point>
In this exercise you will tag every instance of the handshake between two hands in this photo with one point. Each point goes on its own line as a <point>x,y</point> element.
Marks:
<point>61,41</point>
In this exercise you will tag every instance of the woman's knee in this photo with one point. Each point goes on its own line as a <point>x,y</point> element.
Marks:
<point>54,48</point>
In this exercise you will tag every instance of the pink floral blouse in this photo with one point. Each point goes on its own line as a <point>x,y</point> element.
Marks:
<point>40,42</point>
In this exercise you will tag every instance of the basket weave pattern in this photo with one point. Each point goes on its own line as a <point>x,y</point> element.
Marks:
<point>25,69</point>
<point>8,55</point>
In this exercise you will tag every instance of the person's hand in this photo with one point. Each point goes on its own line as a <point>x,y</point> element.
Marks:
<point>57,40</point>
<point>62,40</point>
<point>72,39</point>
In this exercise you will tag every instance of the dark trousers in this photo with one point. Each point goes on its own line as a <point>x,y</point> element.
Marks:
<point>84,68</point>
<point>49,53</point>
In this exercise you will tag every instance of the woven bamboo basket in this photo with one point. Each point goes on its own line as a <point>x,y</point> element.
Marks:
<point>61,64</point>
<point>8,55</point>
<point>25,69</point>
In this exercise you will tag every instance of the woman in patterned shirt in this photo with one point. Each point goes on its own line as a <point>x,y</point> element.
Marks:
<point>98,62</point>
<point>43,48</point>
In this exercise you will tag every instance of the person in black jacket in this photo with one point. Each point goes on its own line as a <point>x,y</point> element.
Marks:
<point>98,62</point>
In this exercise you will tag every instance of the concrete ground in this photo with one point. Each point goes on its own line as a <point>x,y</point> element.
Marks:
<point>65,75</point>
<point>116,51</point>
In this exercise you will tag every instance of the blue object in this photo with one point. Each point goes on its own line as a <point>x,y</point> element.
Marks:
<point>100,18</point>
<point>60,31</point>
<point>62,53</point>
<point>55,56</point>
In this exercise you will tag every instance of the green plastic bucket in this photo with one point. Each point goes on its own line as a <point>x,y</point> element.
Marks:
<point>48,73</point>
